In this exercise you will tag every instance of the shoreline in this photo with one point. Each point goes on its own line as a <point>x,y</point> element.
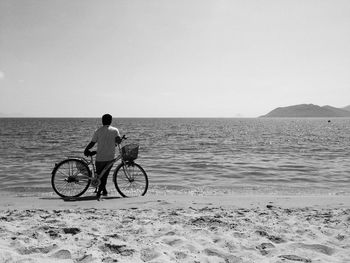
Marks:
<point>25,201</point>
<point>175,228</point>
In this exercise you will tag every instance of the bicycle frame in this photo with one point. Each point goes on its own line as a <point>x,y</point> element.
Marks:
<point>108,166</point>
<point>111,163</point>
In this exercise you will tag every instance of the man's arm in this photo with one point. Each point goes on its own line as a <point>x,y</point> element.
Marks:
<point>118,140</point>
<point>88,147</point>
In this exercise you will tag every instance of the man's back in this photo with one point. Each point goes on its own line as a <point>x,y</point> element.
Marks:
<point>105,137</point>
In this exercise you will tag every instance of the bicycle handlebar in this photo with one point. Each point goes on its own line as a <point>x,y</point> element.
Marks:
<point>121,140</point>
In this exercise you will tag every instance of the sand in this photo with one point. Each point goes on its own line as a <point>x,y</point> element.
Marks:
<point>175,228</point>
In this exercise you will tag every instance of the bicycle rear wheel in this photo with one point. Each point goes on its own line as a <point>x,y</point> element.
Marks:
<point>71,178</point>
<point>130,180</point>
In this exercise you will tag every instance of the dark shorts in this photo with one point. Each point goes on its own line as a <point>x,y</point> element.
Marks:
<point>99,168</point>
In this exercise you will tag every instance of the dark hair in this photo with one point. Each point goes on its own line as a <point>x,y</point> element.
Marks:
<point>107,119</point>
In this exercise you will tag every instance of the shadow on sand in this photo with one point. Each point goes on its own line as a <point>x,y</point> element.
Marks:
<point>81,199</point>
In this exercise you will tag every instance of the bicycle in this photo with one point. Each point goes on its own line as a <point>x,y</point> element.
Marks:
<point>72,177</point>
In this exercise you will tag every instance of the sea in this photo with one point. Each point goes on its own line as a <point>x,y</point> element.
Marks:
<point>196,156</point>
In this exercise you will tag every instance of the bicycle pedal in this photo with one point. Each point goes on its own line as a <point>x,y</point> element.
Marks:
<point>95,182</point>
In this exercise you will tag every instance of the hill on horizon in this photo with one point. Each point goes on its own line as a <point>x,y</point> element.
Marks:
<point>308,111</point>
<point>346,108</point>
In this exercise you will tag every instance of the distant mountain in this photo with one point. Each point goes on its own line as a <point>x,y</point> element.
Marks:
<point>346,108</point>
<point>307,110</point>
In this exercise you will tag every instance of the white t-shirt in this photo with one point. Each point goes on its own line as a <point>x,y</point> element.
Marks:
<point>105,138</point>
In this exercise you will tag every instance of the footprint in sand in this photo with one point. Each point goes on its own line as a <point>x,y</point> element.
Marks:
<point>180,255</point>
<point>117,249</point>
<point>62,254</point>
<point>315,247</point>
<point>227,257</point>
<point>295,258</point>
<point>71,230</point>
<point>86,259</point>
<point>149,254</point>
<point>272,238</point>
<point>265,248</point>
<point>173,241</point>
<point>35,249</point>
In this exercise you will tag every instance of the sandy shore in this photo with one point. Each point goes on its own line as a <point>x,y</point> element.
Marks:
<point>176,228</point>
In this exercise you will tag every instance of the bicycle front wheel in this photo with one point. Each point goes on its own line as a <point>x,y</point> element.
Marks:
<point>71,178</point>
<point>130,180</point>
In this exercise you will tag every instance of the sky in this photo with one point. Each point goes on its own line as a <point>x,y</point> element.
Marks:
<point>162,58</point>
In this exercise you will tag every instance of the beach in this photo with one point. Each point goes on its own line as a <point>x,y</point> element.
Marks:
<point>219,191</point>
<point>237,113</point>
<point>175,228</point>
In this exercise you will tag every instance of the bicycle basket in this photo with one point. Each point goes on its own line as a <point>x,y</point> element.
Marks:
<point>130,152</point>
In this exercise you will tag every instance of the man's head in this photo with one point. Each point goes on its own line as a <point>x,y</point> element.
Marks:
<point>107,119</point>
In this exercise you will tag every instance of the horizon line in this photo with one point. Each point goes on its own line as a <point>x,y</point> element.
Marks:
<point>124,117</point>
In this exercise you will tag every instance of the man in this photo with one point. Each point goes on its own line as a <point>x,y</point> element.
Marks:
<point>106,137</point>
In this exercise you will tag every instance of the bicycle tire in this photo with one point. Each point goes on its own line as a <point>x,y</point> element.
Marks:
<point>137,185</point>
<point>65,178</point>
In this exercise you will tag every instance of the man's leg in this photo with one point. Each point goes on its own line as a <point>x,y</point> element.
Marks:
<point>104,178</point>
<point>99,168</point>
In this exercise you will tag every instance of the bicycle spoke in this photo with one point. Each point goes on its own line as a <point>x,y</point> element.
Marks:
<point>62,173</point>
<point>70,178</point>
<point>130,180</point>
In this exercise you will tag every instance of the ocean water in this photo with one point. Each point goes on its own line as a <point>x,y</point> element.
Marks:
<point>196,156</point>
